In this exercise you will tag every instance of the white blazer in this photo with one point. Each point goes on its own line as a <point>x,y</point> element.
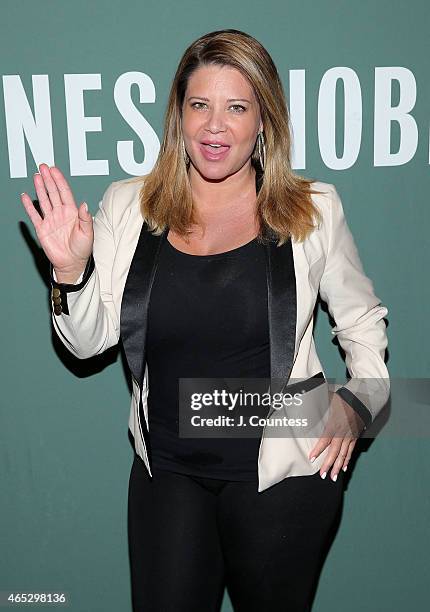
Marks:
<point>109,301</point>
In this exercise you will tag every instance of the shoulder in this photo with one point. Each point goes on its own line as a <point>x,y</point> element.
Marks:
<point>329,205</point>
<point>323,200</point>
<point>125,190</point>
<point>121,198</point>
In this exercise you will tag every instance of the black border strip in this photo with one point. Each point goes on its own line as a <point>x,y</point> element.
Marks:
<point>356,404</point>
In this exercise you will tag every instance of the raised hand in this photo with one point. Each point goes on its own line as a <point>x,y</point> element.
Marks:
<point>65,231</point>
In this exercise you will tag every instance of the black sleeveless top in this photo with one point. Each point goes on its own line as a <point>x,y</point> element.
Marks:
<point>207,319</point>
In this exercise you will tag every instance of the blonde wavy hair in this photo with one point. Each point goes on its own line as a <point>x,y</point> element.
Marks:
<point>284,205</point>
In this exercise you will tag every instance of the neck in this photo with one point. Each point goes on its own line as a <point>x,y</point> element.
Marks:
<point>212,197</point>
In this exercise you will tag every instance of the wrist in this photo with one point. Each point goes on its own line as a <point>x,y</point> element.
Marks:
<point>69,276</point>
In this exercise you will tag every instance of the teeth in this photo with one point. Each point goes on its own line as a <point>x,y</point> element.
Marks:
<point>215,146</point>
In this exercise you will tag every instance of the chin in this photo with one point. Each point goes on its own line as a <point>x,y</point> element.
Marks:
<point>214,171</point>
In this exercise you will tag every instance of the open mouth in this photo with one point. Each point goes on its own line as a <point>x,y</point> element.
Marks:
<point>215,147</point>
<point>214,151</point>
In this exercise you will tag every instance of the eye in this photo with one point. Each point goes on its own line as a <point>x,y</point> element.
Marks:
<point>240,108</point>
<point>194,104</point>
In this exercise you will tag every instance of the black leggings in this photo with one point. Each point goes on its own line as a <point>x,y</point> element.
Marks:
<point>189,537</point>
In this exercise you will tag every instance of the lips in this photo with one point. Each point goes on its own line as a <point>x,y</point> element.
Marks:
<point>214,153</point>
<point>215,142</point>
<point>217,149</point>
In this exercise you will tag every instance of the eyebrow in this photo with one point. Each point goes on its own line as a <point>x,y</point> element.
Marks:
<point>229,100</point>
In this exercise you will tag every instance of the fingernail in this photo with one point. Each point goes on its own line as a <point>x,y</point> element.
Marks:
<point>313,459</point>
<point>344,468</point>
<point>334,478</point>
<point>86,207</point>
<point>323,475</point>
<point>23,193</point>
<point>36,173</point>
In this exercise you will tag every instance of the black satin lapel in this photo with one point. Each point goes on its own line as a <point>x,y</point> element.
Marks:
<point>135,300</point>
<point>282,307</point>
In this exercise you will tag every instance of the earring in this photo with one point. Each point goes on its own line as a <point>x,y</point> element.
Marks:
<point>261,150</point>
<point>184,153</point>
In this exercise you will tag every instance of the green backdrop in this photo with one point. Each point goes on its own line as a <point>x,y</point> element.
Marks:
<point>65,455</point>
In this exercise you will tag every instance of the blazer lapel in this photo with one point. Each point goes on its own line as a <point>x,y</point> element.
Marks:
<point>282,311</point>
<point>134,313</point>
<point>135,300</point>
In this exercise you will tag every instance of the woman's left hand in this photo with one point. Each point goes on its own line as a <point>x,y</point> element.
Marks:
<point>340,434</point>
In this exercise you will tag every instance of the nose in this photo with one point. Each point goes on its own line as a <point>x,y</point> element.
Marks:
<point>215,120</point>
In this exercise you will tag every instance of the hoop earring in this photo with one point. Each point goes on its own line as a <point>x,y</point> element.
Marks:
<point>184,153</point>
<point>261,147</point>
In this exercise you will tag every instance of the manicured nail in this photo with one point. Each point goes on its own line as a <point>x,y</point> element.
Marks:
<point>313,459</point>
<point>344,468</point>
<point>334,478</point>
<point>323,475</point>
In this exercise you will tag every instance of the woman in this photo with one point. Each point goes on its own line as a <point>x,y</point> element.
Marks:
<point>209,268</point>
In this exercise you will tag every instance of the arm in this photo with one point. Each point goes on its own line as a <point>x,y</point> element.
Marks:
<point>83,313</point>
<point>359,315</point>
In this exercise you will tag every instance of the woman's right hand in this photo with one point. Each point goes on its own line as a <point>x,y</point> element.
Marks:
<point>65,231</point>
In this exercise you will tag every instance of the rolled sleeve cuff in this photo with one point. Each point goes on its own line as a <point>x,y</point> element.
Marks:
<point>356,404</point>
<point>60,290</point>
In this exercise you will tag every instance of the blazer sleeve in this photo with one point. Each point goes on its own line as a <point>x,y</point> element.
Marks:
<point>359,317</point>
<point>83,314</point>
